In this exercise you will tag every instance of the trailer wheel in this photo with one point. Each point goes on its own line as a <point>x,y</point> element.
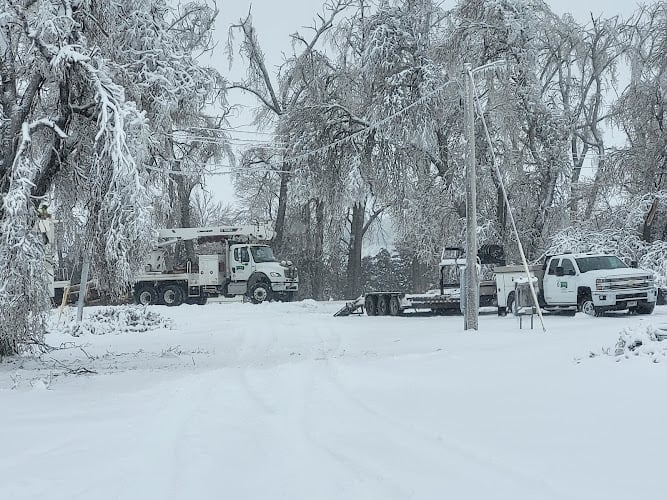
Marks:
<point>145,295</point>
<point>383,305</point>
<point>172,295</point>
<point>371,305</point>
<point>395,306</point>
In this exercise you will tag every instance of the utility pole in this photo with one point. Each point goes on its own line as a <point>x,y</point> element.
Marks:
<point>470,321</point>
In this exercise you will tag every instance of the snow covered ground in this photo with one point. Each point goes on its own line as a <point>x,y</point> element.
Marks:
<point>285,401</point>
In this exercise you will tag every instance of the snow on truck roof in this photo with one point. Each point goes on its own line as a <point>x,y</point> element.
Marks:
<point>580,255</point>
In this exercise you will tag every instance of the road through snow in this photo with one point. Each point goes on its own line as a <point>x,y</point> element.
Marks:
<point>284,401</point>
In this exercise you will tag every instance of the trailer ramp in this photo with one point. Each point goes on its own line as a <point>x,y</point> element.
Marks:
<point>353,307</point>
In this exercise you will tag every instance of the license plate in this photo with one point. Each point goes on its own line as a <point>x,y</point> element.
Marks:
<point>632,303</point>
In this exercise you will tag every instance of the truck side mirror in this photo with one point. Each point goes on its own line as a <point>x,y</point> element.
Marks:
<point>634,264</point>
<point>560,271</point>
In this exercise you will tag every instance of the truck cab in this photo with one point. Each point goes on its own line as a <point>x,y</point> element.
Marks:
<point>597,283</point>
<point>254,267</point>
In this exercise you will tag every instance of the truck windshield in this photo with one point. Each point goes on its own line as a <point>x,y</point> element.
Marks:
<point>599,262</point>
<point>262,254</point>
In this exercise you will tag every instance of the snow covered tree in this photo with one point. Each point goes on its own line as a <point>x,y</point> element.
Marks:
<point>83,85</point>
<point>279,95</point>
<point>384,271</point>
<point>287,103</point>
<point>641,111</point>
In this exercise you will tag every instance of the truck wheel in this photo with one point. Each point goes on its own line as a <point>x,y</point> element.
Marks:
<point>259,292</point>
<point>395,306</point>
<point>586,306</point>
<point>383,305</point>
<point>145,295</point>
<point>371,305</point>
<point>646,308</point>
<point>172,295</point>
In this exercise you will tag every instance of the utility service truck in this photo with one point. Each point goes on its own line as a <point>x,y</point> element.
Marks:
<point>594,283</point>
<point>241,265</point>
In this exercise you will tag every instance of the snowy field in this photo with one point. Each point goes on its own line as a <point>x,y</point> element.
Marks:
<point>237,401</point>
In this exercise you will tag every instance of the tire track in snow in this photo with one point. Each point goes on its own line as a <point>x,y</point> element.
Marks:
<point>360,469</point>
<point>437,440</point>
<point>288,412</point>
<point>164,440</point>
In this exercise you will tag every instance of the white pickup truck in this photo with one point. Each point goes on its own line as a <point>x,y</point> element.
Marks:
<point>596,283</point>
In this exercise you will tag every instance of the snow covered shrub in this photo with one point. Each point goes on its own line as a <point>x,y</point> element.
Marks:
<point>646,342</point>
<point>128,319</point>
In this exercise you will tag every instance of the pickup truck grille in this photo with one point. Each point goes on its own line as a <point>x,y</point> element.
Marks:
<point>626,296</point>
<point>635,282</point>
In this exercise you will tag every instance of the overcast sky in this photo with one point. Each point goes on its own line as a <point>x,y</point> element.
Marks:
<point>276,20</point>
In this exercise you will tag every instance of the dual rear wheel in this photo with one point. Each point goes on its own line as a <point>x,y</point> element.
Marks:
<point>170,295</point>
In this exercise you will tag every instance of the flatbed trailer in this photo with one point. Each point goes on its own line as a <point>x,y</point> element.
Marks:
<point>397,303</point>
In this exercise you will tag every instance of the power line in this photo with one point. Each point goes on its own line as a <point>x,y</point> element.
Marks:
<point>230,170</point>
<point>234,130</point>
<point>371,126</point>
<point>221,141</point>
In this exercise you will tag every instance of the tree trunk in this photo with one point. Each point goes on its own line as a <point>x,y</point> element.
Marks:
<point>648,221</point>
<point>353,286</point>
<point>282,209</point>
<point>595,189</point>
<point>58,154</point>
<point>318,252</point>
<point>184,190</point>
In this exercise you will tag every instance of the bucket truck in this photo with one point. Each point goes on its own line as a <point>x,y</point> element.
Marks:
<point>241,265</point>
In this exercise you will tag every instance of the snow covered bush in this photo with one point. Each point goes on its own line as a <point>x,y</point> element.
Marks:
<point>114,320</point>
<point>639,342</point>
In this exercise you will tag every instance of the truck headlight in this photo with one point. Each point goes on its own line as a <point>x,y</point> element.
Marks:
<point>275,275</point>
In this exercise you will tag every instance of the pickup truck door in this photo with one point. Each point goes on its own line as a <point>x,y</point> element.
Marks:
<point>240,268</point>
<point>549,281</point>
<point>565,286</point>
